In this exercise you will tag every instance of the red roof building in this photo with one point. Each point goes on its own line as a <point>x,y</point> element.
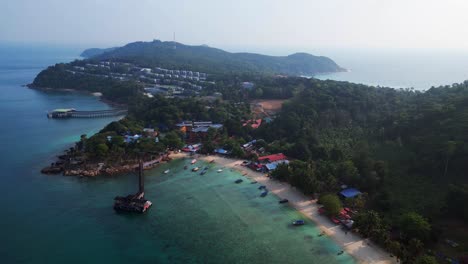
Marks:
<point>253,123</point>
<point>272,158</point>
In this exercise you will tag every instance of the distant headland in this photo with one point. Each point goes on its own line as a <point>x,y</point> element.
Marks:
<point>171,54</point>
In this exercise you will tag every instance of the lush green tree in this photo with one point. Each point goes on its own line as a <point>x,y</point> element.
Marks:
<point>282,172</point>
<point>173,140</point>
<point>347,172</point>
<point>101,150</point>
<point>117,141</point>
<point>413,225</point>
<point>237,151</point>
<point>369,222</point>
<point>331,203</point>
<point>395,248</point>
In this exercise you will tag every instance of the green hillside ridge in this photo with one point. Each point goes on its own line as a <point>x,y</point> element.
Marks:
<point>202,58</point>
<point>88,53</point>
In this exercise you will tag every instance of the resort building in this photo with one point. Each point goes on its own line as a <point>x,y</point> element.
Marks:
<point>269,163</point>
<point>196,131</point>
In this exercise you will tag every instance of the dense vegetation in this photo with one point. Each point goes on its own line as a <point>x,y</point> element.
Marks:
<point>405,149</point>
<point>206,59</point>
<point>57,77</point>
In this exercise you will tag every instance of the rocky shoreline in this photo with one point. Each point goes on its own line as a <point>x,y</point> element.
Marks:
<point>72,166</point>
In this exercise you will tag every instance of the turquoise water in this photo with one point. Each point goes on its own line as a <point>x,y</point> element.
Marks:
<point>229,222</point>
<point>194,219</point>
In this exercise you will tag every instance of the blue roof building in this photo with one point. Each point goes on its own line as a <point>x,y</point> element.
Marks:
<point>350,192</point>
<point>272,166</point>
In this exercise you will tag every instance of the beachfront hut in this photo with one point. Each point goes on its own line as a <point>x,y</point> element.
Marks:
<point>350,193</point>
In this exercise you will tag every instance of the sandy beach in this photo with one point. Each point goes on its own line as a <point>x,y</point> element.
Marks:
<point>362,249</point>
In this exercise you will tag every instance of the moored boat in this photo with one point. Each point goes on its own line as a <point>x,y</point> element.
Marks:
<point>283,201</point>
<point>220,170</point>
<point>298,222</point>
<point>194,161</point>
<point>239,181</point>
<point>166,171</point>
<point>195,169</point>
<point>264,193</point>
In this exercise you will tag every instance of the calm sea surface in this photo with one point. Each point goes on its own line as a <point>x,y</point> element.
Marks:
<point>416,69</point>
<point>56,219</point>
<point>398,68</point>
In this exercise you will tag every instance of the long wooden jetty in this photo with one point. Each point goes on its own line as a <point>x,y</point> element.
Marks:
<point>73,113</point>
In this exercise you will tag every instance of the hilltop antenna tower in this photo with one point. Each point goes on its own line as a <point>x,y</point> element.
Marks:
<point>174,40</point>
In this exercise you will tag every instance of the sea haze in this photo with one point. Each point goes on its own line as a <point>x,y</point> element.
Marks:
<point>401,69</point>
<point>419,69</point>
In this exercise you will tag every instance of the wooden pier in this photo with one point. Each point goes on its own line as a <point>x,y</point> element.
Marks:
<point>72,113</point>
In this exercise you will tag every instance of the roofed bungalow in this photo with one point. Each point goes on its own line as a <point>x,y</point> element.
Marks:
<point>200,130</point>
<point>349,193</point>
<point>247,146</point>
<point>150,132</point>
<point>272,158</point>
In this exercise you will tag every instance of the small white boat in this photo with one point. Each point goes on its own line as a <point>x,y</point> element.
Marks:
<point>195,169</point>
<point>194,161</point>
<point>220,170</point>
<point>166,171</point>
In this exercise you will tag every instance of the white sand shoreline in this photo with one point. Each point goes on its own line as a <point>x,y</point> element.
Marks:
<point>361,249</point>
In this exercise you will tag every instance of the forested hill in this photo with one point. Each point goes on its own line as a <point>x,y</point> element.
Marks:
<point>88,53</point>
<point>174,55</point>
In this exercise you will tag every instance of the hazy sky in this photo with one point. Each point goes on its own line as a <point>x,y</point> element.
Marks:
<point>428,24</point>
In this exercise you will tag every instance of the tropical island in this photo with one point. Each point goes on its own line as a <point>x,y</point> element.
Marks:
<point>392,161</point>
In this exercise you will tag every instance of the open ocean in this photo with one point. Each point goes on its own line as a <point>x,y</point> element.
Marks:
<point>57,219</point>
<point>398,68</point>
<point>418,69</point>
